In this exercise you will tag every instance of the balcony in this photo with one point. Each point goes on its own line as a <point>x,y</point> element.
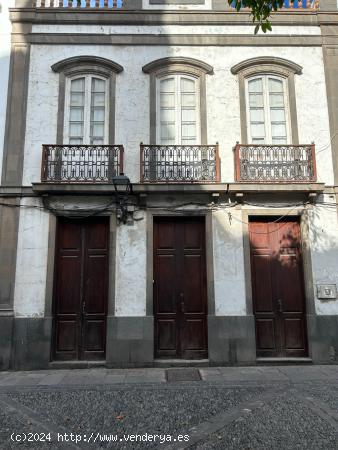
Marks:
<point>118,4</point>
<point>297,5</point>
<point>275,164</point>
<point>79,4</point>
<point>81,163</point>
<point>179,164</point>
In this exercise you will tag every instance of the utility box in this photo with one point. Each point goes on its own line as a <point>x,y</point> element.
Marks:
<point>326,291</point>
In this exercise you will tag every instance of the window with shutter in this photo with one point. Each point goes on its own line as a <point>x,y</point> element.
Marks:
<point>86,118</point>
<point>177,110</point>
<point>268,112</point>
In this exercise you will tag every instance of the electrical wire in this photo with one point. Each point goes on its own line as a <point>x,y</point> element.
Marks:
<point>177,209</point>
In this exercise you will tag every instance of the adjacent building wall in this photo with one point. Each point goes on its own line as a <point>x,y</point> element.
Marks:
<point>5,50</point>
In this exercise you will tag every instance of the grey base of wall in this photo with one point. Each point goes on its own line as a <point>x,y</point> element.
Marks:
<point>231,340</point>
<point>25,343</point>
<point>323,338</point>
<point>130,341</point>
<point>6,337</point>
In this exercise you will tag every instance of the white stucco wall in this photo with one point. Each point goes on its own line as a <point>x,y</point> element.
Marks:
<point>132,100</point>
<point>174,29</point>
<point>228,259</point>
<point>131,268</point>
<point>132,127</point>
<point>5,48</point>
<point>323,236</point>
<point>31,262</point>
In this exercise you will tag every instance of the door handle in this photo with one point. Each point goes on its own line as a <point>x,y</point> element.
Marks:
<point>83,308</point>
<point>280,305</point>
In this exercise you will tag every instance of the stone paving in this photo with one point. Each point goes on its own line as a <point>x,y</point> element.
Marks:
<point>239,408</point>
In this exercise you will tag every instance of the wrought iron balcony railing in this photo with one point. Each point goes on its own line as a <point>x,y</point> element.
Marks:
<point>297,5</point>
<point>275,163</point>
<point>180,164</point>
<point>79,4</point>
<point>81,163</point>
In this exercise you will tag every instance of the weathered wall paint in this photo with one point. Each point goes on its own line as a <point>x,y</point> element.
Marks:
<point>132,100</point>
<point>323,237</point>
<point>31,263</point>
<point>174,29</point>
<point>131,268</point>
<point>132,127</point>
<point>229,279</point>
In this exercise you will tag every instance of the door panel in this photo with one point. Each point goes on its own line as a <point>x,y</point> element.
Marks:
<point>66,335</point>
<point>278,289</point>
<point>265,334</point>
<point>180,305</point>
<point>263,291</point>
<point>81,289</point>
<point>166,336</point>
<point>166,272</point>
<point>193,284</point>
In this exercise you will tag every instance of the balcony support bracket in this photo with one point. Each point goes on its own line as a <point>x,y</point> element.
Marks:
<point>215,198</point>
<point>239,196</point>
<point>312,197</point>
<point>142,200</point>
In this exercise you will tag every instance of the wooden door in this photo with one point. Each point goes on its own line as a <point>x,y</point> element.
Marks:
<point>278,288</point>
<point>180,300</point>
<point>81,289</point>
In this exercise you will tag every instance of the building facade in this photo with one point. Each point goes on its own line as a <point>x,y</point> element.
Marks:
<point>225,250</point>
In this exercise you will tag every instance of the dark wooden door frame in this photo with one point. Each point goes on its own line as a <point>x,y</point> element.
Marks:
<point>299,213</point>
<point>151,215</point>
<point>282,318</point>
<point>182,316</point>
<point>54,281</point>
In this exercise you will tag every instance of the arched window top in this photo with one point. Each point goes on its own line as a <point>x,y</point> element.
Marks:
<point>267,100</point>
<point>266,64</point>
<point>178,64</point>
<point>87,64</point>
<point>86,113</point>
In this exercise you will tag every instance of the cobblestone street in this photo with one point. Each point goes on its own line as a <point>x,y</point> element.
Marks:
<point>287,407</point>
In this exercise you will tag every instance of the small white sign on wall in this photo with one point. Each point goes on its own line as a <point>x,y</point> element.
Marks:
<point>326,291</point>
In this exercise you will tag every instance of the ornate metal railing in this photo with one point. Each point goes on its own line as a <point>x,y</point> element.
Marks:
<point>81,163</point>
<point>179,163</point>
<point>79,4</point>
<point>275,163</point>
<point>296,5</point>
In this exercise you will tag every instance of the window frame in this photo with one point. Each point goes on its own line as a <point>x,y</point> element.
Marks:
<point>190,67</point>
<point>178,109</point>
<point>266,107</point>
<point>266,65</point>
<point>77,67</point>
<point>87,107</point>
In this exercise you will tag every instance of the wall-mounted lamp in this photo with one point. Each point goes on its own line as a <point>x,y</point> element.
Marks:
<point>123,188</point>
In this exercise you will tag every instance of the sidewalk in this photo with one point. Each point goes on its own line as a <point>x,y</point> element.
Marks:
<point>228,375</point>
<point>232,408</point>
